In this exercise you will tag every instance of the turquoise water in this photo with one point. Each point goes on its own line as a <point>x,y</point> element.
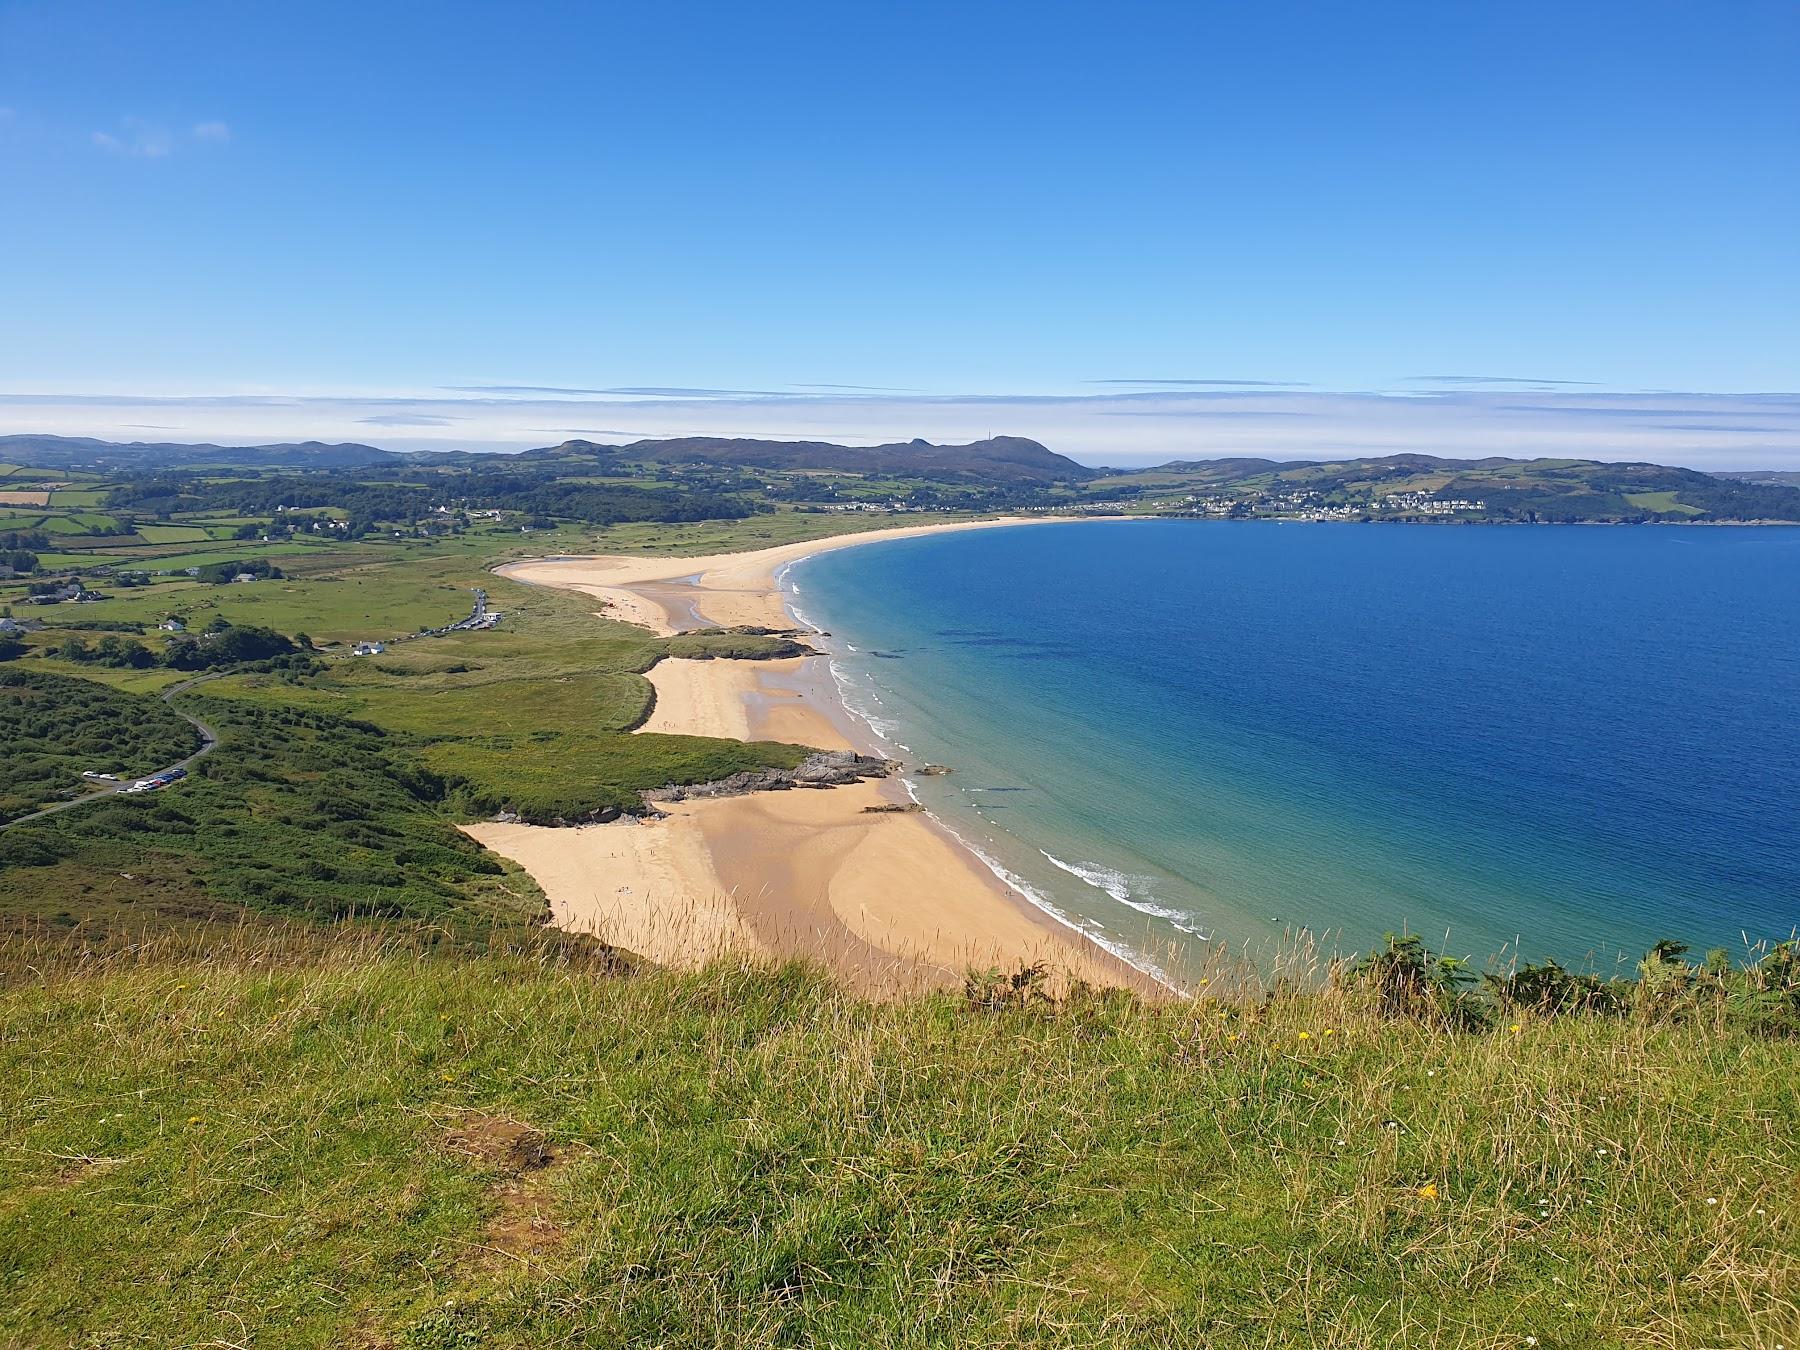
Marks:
<point>1559,741</point>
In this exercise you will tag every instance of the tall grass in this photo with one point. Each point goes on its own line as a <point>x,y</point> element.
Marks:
<point>252,1141</point>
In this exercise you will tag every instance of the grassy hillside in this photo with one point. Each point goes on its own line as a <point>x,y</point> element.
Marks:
<point>313,1141</point>
<point>1399,487</point>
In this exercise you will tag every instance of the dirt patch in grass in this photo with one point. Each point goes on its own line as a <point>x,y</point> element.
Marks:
<point>77,1170</point>
<point>523,1159</point>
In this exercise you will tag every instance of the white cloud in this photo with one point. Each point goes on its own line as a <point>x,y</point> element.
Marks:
<point>144,140</point>
<point>216,132</point>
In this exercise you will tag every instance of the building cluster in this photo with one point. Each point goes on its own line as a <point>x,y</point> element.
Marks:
<point>1300,504</point>
<point>469,515</point>
<point>1323,512</point>
<point>1219,504</point>
<point>1296,504</point>
<point>68,592</point>
<point>1424,504</point>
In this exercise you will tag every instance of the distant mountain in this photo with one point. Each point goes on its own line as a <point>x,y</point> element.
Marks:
<point>999,459</point>
<point>78,452</point>
<point>1509,489</point>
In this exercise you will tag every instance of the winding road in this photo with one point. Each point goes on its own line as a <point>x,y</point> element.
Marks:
<point>209,741</point>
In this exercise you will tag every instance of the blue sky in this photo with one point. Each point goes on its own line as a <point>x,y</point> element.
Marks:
<point>278,220</point>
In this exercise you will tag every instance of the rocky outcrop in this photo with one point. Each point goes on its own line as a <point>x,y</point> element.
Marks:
<point>744,643</point>
<point>600,815</point>
<point>822,769</point>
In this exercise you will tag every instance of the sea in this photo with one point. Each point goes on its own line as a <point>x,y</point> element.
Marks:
<point>1517,742</point>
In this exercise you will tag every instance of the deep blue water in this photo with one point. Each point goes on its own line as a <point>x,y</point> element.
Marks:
<point>1562,741</point>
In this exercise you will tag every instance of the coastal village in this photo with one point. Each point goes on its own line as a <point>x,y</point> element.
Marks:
<point>1315,506</point>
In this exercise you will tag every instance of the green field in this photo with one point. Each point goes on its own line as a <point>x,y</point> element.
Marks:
<point>173,534</point>
<point>60,525</point>
<point>1661,502</point>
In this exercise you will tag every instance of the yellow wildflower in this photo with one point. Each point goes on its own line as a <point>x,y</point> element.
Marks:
<point>1306,1035</point>
<point>1428,1191</point>
<point>1513,1027</point>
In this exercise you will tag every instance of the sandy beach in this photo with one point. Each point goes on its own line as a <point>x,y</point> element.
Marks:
<point>667,595</point>
<point>888,900</point>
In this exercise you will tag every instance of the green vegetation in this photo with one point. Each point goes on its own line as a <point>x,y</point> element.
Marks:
<point>338,780</point>
<point>220,574</point>
<point>173,534</point>
<point>53,729</point>
<point>222,646</point>
<point>78,497</point>
<point>284,1140</point>
<point>573,776</point>
<point>533,717</point>
<point>1662,503</point>
<point>297,813</point>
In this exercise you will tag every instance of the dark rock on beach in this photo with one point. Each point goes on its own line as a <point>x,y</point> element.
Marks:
<point>747,630</point>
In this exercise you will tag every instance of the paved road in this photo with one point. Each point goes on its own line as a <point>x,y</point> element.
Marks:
<point>209,741</point>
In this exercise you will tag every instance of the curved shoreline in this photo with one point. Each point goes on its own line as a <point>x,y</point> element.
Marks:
<point>870,739</point>
<point>890,900</point>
